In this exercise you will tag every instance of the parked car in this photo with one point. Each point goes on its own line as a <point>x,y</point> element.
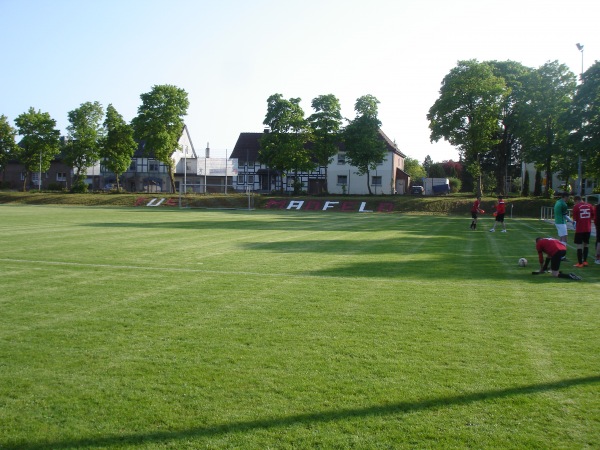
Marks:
<point>417,190</point>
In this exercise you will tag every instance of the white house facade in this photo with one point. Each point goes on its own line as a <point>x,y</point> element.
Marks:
<point>339,177</point>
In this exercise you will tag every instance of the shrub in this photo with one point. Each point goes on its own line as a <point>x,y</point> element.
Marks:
<point>79,187</point>
<point>525,192</point>
<point>55,187</point>
<point>455,185</point>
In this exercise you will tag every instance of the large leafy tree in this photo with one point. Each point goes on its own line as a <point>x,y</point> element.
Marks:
<point>414,169</point>
<point>284,147</point>
<point>8,145</point>
<point>364,146</point>
<point>118,145</point>
<point>82,147</point>
<point>40,141</point>
<point>467,111</point>
<point>427,163</point>
<point>504,155</point>
<point>159,123</point>
<point>585,120</point>
<point>326,124</point>
<point>547,96</point>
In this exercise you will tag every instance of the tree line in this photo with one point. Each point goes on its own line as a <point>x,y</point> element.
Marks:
<point>499,113</point>
<point>496,113</point>
<point>94,134</point>
<point>297,144</point>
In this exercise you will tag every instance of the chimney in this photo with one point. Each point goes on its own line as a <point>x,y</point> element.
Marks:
<point>207,150</point>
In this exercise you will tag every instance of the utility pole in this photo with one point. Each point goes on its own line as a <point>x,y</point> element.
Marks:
<point>579,170</point>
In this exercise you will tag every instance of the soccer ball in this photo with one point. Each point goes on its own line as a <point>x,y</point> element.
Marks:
<point>522,262</point>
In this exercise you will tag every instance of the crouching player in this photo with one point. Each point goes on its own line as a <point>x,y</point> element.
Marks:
<point>555,250</point>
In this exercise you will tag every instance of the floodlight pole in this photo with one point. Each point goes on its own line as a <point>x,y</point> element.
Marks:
<point>206,155</point>
<point>40,177</point>
<point>580,48</point>
<point>579,170</point>
<point>246,178</point>
<point>185,169</point>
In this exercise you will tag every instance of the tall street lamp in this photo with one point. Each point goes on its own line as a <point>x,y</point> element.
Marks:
<point>580,48</point>
<point>579,174</point>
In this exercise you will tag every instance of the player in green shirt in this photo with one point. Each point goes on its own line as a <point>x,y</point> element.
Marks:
<point>561,217</point>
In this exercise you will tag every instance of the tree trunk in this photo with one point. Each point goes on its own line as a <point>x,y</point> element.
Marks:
<point>369,184</point>
<point>548,176</point>
<point>172,180</point>
<point>479,182</point>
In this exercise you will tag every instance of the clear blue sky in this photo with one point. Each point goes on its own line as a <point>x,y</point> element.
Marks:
<point>231,55</point>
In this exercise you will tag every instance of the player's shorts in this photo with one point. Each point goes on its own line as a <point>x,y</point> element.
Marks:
<point>562,229</point>
<point>499,217</point>
<point>474,214</point>
<point>582,238</point>
<point>556,258</point>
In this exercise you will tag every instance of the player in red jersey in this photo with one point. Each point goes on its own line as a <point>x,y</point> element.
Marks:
<point>555,251</point>
<point>583,215</point>
<point>597,233</point>
<point>500,208</point>
<point>474,211</point>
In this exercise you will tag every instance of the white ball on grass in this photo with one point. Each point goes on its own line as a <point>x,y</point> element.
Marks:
<point>522,262</point>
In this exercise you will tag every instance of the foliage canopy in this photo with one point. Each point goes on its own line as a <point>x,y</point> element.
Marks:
<point>40,141</point>
<point>159,123</point>
<point>364,145</point>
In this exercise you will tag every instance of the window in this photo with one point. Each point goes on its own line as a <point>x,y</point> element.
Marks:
<point>133,166</point>
<point>241,179</point>
<point>61,176</point>
<point>376,181</point>
<point>341,158</point>
<point>342,180</point>
<point>153,166</point>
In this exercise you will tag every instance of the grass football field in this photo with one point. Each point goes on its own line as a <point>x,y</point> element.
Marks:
<point>156,328</point>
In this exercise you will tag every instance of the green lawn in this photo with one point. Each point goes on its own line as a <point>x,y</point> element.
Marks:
<point>157,328</point>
